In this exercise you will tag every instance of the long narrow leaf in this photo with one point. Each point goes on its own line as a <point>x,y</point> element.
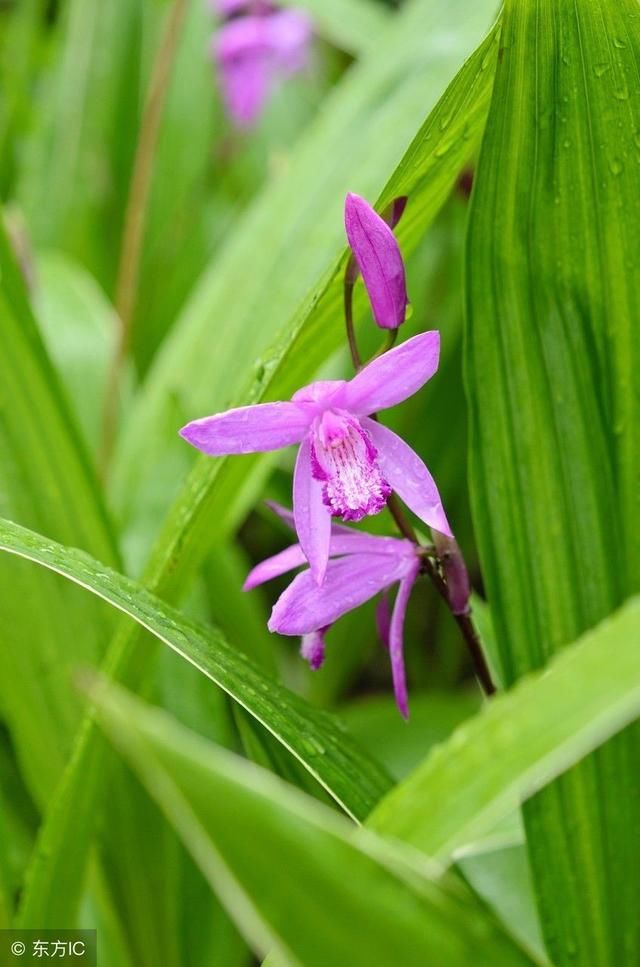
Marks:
<point>520,741</point>
<point>553,305</point>
<point>312,736</point>
<point>322,893</point>
<point>47,483</point>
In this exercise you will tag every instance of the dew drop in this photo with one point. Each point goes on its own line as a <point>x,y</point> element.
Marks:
<point>311,745</point>
<point>600,69</point>
<point>616,166</point>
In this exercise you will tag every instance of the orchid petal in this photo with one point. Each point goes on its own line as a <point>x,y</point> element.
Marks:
<point>246,87</point>
<point>394,376</point>
<point>408,476</point>
<point>274,566</point>
<point>249,429</point>
<point>312,648</point>
<point>346,540</point>
<point>349,543</point>
<point>349,582</point>
<point>323,392</point>
<point>383,619</point>
<point>241,49</point>
<point>289,35</point>
<point>312,519</point>
<point>396,640</point>
<point>379,259</point>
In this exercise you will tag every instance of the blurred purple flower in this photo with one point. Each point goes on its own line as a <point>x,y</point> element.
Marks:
<point>229,8</point>
<point>360,566</point>
<point>348,463</point>
<point>253,52</point>
<point>378,257</point>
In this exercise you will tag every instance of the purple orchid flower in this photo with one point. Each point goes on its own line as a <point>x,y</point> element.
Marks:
<point>348,463</point>
<point>360,566</point>
<point>252,52</point>
<point>379,259</point>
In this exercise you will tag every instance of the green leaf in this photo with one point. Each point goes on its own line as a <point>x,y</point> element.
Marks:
<point>346,898</point>
<point>552,364</point>
<point>79,329</point>
<point>503,879</point>
<point>520,741</point>
<point>20,41</point>
<point>354,25</point>
<point>46,483</point>
<point>76,161</point>
<point>311,736</point>
<point>164,904</point>
<point>400,745</point>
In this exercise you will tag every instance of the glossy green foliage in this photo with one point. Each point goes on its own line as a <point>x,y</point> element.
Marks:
<point>552,386</point>
<point>47,483</point>
<point>519,742</point>
<point>320,744</point>
<point>321,892</point>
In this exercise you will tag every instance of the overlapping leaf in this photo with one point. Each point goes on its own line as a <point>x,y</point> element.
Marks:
<point>552,375</point>
<point>338,898</point>
<point>520,742</point>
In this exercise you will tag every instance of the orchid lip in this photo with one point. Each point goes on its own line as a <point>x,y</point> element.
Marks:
<point>343,459</point>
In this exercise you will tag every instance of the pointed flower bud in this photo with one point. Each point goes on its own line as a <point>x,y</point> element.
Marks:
<point>379,259</point>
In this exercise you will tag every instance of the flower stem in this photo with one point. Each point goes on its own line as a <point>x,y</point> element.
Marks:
<point>464,620</point>
<point>135,216</point>
<point>402,521</point>
<point>350,275</point>
<point>467,629</point>
<point>389,343</point>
